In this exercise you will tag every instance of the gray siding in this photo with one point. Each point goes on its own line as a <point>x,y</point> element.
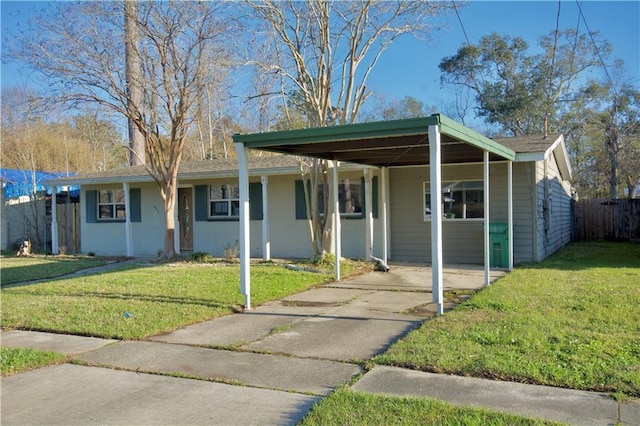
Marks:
<point>553,209</point>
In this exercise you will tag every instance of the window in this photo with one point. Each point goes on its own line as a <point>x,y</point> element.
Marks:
<point>461,200</point>
<point>349,197</point>
<point>224,201</point>
<point>111,204</point>
<point>108,205</point>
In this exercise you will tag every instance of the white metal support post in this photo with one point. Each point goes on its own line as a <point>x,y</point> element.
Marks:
<point>369,213</point>
<point>266,239</point>
<point>336,221</point>
<point>510,212</point>
<point>435,169</point>
<point>245,237</point>
<point>127,220</point>
<point>385,225</point>
<point>486,220</point>
<point>54,220</point>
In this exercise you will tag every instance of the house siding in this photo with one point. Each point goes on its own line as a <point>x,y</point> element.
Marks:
<point>289,237</point>
<point>463,240</point>
<point>553,219</point>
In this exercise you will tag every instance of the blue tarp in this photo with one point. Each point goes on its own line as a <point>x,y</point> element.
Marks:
<point>16,183</point>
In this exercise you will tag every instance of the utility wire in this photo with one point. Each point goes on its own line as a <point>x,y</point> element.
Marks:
<point>604,66</point>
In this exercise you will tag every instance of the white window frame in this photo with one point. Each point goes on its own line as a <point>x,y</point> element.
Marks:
<point>116,204</point>
<point>233,203</point>
<point>447,188</point>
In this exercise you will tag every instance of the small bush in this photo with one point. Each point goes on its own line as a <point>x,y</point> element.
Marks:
<point>201,256</point>
<point>231,252</point>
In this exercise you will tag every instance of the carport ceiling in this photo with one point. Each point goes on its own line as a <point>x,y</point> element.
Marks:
<point>382,144</point>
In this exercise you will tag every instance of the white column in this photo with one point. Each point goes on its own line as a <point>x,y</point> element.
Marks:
<point>435,169</point>
<point>127,220</point>
<point>245,238</point>
<point>385,224</point>
<point>510,211</point>
<point>486,221</point>
<point>336,221</point>
<point>266,239</point>
<point>54,220</point>
<point>368,213</point>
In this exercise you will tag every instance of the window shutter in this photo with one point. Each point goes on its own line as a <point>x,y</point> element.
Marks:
<point>301,204</point>
<point>201,203</point>
<point>91,204</point>
<point>135,203</point>
<point>255,198</point>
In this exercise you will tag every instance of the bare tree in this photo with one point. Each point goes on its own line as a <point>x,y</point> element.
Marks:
<point>133,72</point>
<point>75,50</point>
<point>327,51</point>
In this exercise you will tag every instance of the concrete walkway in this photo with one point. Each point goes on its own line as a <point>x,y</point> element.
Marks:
<point>270,365</point>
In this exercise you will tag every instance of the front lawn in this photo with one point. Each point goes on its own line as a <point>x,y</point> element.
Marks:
<point>572,321</point>
<point>16,360</point>
<point>347,408</point>
<point>140,301</point>
<point>18,269</point>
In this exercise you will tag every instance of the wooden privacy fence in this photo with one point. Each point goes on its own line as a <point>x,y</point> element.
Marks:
<point>605,219</point>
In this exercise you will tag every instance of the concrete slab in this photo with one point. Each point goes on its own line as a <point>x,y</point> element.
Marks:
<point>557,404</point>
<point>630,413</point>
<point>258,370</point>
<point>237,329</point>
<point>61,343</point>
<point>339,335</point>
<point>326,296</point>
<point>77,395</point>
<point>417,277</point>
<point>391,301</point>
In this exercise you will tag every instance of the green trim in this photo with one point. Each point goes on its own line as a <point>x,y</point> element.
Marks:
<point>451,128</point>
<point>381,129</point>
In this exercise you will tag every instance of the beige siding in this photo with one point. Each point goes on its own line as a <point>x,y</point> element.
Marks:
<point>109,238</point>
<point>462,239</point>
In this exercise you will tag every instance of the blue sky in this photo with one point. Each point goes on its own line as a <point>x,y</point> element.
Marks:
<point>410,67</point>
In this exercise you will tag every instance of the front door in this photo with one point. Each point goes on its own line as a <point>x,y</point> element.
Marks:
<point>185,218</point>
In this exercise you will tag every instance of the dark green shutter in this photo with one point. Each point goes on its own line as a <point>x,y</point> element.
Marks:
<point>301,204</point>
<point>136,205</point>
<point>91,204</point>
<point>201,201</point>
<point>255,201</point>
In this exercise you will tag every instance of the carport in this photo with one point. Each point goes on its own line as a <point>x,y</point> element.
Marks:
<point>432,141</point>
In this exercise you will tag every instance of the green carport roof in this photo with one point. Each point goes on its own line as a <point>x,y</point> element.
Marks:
<point>383,144</point>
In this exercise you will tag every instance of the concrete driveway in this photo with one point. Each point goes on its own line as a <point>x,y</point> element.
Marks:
<point>268,365</point>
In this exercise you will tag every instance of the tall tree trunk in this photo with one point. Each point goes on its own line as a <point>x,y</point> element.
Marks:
<point>133,76</point>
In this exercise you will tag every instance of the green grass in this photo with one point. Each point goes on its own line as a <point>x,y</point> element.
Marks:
<point>347,408</point>
<point>18,269</point>
<point>139,301</point>
<point>572,321</point>
<point>16,360</point>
